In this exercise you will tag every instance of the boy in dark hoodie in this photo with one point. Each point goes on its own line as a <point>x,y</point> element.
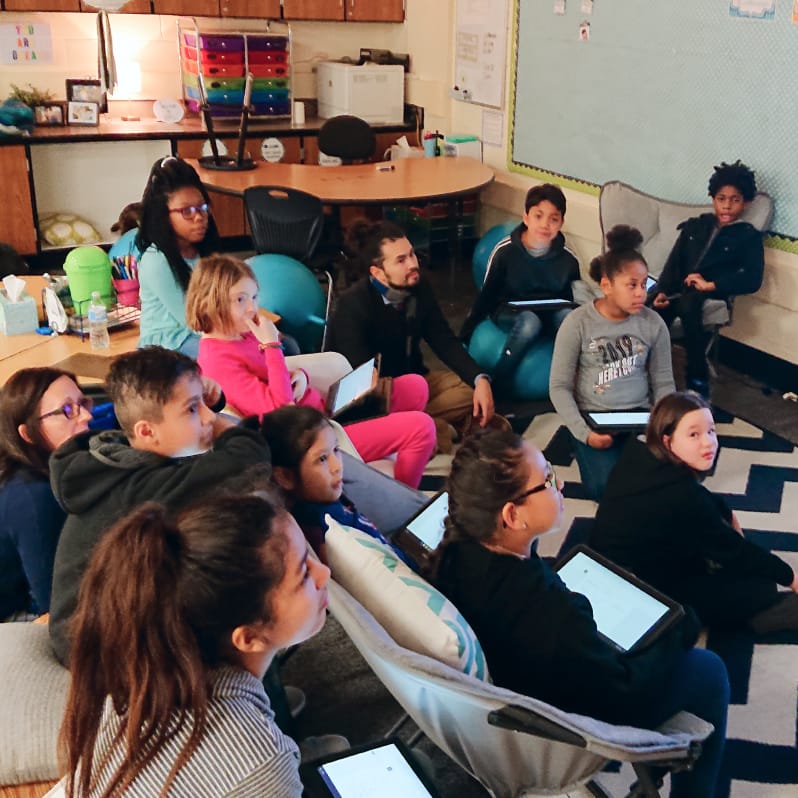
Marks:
<point>717,256</point>
<point>531,263</point>
<point>172,449</point>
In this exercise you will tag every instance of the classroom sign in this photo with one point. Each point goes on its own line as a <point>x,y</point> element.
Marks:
<point>26,43</point>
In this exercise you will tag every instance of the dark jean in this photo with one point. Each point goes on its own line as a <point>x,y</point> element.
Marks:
<point>595,465</point>
<point>700,685</point>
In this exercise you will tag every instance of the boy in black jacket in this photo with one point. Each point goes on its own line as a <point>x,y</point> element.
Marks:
<point>172,449</point>
<point>716,256</point>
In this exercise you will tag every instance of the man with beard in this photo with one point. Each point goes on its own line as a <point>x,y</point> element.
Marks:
<point>389,312</point>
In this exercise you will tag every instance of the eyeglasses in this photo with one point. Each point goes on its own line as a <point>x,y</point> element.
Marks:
<point>190,211</point>
<point>550,482</point>
<point>71,410</point>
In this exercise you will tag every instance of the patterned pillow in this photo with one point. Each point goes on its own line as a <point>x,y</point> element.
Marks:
<point>413,612</point>
<point>66,230</point>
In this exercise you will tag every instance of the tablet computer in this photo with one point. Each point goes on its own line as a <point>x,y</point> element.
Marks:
<point>539,304</point>
<point>386,768</point>
<point>354,388</point>
<point>651,284</point>
<point>422,534</point>
<point>629,614</point>
<point>617,420</point>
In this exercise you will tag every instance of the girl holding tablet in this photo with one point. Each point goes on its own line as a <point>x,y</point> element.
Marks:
<point>657,520</point>
<point>612,354</point>
<point>539,638</point>
<point>241,351</point>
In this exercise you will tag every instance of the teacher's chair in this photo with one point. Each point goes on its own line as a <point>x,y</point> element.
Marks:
<point>347,138</point>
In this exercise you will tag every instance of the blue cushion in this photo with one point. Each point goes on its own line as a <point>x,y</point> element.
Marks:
<point>531,380</point>
<point>485,245</point>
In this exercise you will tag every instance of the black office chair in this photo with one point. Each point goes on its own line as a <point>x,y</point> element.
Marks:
<point>347,137</point>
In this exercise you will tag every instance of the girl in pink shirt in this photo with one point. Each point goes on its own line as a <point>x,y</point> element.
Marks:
<point>240,349</point>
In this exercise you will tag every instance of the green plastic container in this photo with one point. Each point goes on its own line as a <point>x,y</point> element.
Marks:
<point>88,269</point>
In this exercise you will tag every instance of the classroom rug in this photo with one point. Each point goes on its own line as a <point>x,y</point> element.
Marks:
<point>757,474</point>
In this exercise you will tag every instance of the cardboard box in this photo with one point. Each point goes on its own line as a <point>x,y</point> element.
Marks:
<point>20,317</point>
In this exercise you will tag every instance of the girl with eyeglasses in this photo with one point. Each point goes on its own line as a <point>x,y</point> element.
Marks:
<point>540,639</point>
<point>176,229</point>
<point>40,408</point>
<point>177,621</point>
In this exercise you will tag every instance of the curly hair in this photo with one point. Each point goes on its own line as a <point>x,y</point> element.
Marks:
<point>735,174</point>
<point>623,246</point>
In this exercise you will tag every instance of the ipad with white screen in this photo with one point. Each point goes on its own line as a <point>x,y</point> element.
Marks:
<point>617,420</point>
<point>651,284</point>
<point>422,534</point>
<point>386,769</point>
<point>353,389</point>
<point>629,614</point>
<point>539,304</point>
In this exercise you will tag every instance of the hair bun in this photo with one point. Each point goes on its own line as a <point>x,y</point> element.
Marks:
<point>623,238</point>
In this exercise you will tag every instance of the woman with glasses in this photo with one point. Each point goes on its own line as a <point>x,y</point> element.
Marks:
<point>176,229</point>
<point>540,639</point>
<point>40,408</point>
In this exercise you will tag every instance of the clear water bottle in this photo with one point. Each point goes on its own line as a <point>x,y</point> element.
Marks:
<point>98,323</point>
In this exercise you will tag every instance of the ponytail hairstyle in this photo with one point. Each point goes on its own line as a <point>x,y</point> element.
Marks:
<point>623,246</point>
<point>167,176</point>
<point>157,607</point>
<point>488,470</point>
<point>365,238</point>
<point>208,295</point>
<point>290,431</point>
<point>664,419</point>
<point>19,404</point>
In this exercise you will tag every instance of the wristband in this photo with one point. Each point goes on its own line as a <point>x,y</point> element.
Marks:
<point>270,345</point>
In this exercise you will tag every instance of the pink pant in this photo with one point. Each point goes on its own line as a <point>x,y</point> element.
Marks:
<point>407,431</point>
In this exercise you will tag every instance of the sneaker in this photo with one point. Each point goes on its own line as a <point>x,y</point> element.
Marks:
<point>295,699</point>
<point>312,748</point>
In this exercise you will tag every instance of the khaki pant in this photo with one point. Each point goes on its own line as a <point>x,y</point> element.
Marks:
<point>451,401</point>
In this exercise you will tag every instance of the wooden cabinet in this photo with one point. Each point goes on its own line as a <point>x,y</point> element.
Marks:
<point>131,7</point>
<point>191,8</point>
<point>250,9</point>
<point>352,10</point>
<point>41,5</point>
<point>17,226</point>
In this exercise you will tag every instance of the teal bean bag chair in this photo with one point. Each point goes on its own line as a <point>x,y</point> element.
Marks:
<point>288,288</point>
<point>531,380</point>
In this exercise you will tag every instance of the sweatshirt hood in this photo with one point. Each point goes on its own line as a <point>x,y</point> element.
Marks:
<point>641,469</point>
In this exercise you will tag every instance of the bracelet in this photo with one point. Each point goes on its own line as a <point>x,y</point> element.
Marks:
<point>270,345</point>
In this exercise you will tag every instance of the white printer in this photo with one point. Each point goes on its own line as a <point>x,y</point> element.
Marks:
<point>374,92</point>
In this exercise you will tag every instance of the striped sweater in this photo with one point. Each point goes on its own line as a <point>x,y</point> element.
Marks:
<point>243,752</point>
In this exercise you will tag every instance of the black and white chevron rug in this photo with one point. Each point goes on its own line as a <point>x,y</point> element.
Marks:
<point>757,474</point>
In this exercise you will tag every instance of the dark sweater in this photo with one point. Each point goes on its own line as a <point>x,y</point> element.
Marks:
<point>100,478</point>
<point>658,521</point>
<point>512,273</point>
<point>540,639</point>
<point>364,325</point>
<point>735,260</point>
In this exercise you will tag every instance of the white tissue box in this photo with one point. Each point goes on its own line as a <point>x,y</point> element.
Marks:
<point>20,317</point>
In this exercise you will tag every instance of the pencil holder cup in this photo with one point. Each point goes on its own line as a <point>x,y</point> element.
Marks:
<point>430,147</point>
<point>127,291</point>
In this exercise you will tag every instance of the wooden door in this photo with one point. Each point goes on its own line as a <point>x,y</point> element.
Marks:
<point>191,8</point>
<point>375,10</point>
<point>41,5</point>
<point>131,7</point>
<point>251,9</point>
<point>314,9</point>
<point>17,226</point>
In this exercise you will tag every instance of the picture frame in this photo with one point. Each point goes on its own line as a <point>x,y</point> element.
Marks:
<point>87,90</point>
<point>51,114</point>
<point>82,113</point>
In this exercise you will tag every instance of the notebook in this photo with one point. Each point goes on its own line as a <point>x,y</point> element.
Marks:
<point>617,420</point>
<point>629,614</point>
<point>422,534</point>
<point>385,768</point>
<point>539,304</point>
<point>355,397</point>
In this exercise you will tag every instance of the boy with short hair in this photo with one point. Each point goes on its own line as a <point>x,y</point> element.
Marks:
<point>172,449</point>
<point>531,263</point>
<point>717,256</point>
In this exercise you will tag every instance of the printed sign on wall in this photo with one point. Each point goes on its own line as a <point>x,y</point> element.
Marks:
<point>26,43</point>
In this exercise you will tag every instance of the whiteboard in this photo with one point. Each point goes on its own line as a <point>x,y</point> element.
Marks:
<point>659,94</point>
<point>480,51</point>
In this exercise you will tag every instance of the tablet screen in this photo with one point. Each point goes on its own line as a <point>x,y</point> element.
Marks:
<point>525,303</point>
<point>427,526</point>
<point>353,386</point>
<point>650,283</point>
<point>379,771</point>
<point>622,611</point>
<point>620,418</point>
